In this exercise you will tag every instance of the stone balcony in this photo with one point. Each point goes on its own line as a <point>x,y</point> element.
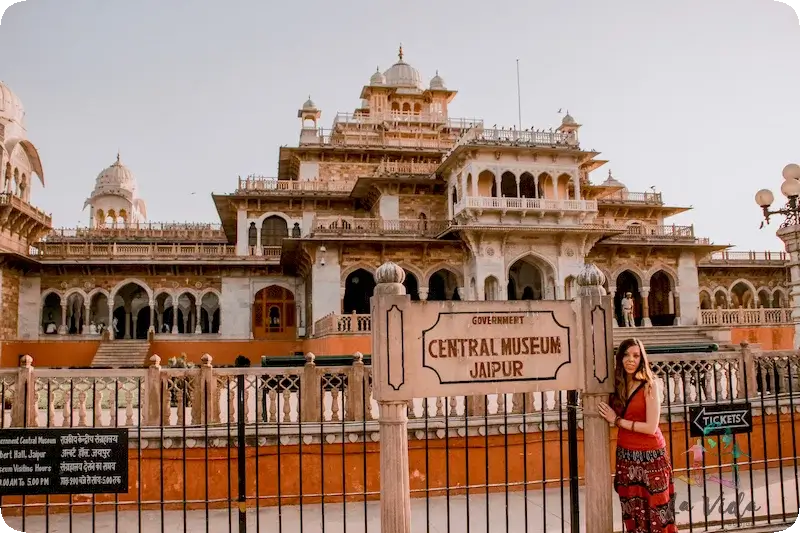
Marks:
<point>147,252</point>
<point>746,259</point>
<point>21,223</point>
<point>479,205</point>
<point>378,139</point>
<point>637,233</point>
<point>628,197</point>
<point>265,186</point>
<point>144,231</point>
<point>377,227</point>
<point>745,317</point>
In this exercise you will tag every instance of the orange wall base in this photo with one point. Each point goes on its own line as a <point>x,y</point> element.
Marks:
<point>79,353</point>
<point>770,337</point>
<point>354,468</point>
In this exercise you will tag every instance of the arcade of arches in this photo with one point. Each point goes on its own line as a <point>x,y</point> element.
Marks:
<point>509,184</point>
<point>655,304</point>
<point>359,286</point>
<point>130,314</point>
<point>743,295</point>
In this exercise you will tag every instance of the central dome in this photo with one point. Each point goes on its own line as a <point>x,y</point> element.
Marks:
<point>11,109</point>
<point>401,74</point>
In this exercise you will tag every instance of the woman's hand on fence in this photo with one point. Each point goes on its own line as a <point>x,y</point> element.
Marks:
<point>607,412</point>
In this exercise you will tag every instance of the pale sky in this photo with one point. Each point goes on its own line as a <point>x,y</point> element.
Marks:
<point>699,98</point>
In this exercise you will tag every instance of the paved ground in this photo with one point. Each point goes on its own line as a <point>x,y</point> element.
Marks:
<point>543,513</point>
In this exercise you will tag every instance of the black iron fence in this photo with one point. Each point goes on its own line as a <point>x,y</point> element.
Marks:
<point>297,449</point>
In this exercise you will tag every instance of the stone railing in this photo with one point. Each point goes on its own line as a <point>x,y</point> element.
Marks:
<point>623,197</point>
<point>267,252</point>
<point>375,138</point>
<point>405,117</point>
<point>671,233</point>
<point>493,136</point>
<point>200,402</point>
<point>355,227</point>
<point>405,167</point>
<point>524,204</point>
<point>745,317</point>
<point>263,186</point>
<point>15,202</point>
<point>144,231</point>
<point>746,258</point>
<point>335,324</point>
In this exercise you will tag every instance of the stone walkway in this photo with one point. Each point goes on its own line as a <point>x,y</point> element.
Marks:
<point>543,513</point>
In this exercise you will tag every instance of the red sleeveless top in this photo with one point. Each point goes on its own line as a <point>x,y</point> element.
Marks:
<point>636,410</point>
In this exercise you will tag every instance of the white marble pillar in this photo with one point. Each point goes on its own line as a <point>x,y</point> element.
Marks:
<point>423,293</point>
<point>174,316</point>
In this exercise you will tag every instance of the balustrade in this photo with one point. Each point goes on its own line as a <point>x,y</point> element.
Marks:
<point>172,398</point>
<point>653,198</point>
<point>745,317</point>
<point>334,324</point>
<point>641,232</point>
<point>524,204</point>
<point>15,202</point>
<point>175,231</point>
<point>146,251</point>
<point>405,167</point>
<point>352,226</point>
<point>264,185</point>
<point>728,257</point>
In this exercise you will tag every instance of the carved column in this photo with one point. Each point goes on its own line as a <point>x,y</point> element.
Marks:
<point>174,316</point>
<point>612,291</point>
<point>676,302</point>
<point>87,315</point>
<point>127,326</point>
<point>152,305</point>
<point>110,324</point>
<point>423,293</point>
<point>644,292</point>
<point>198,328</point>
<point>62,329</point>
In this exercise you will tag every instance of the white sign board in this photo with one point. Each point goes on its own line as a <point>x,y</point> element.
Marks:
<point>426,349</point>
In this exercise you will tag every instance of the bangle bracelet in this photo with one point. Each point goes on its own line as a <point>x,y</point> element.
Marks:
<point>616,421</point>
<point>633,426</point>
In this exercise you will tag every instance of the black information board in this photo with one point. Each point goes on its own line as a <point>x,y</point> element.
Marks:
<point>63,461</point>
<point>721,419</point>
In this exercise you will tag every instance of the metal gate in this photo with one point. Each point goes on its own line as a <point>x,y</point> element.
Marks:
<point>295,449</point>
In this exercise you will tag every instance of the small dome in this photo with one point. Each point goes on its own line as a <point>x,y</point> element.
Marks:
<point>309,104</point>
<point>611,181</point>
<point>568,120</point>
<point>437,82</point>
<point>11,106</point>
<point>114,180</point>
<point>401,74</point>
<point>378,78</point>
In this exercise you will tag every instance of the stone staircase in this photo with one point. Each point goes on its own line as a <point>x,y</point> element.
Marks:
<point>666,336</point>
<point>121,353</point>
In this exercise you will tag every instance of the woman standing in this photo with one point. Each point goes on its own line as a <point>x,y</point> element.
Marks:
<point>643,477</point>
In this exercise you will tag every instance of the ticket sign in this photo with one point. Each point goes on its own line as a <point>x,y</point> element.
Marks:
<point>428,349</point>
<point>63,461</point>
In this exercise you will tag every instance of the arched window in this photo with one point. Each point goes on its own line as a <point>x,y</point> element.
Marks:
<point>273,230</point>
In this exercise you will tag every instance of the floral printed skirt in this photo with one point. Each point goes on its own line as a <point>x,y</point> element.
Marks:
<point>646,490</point>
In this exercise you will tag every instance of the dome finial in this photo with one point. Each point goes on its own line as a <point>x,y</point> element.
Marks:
<point>118,162</point>
<point>400,52</point>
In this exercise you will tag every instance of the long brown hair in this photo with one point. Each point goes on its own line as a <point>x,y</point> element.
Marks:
<point>643,373</point>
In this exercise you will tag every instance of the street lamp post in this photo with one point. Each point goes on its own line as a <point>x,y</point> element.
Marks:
<point>789,233</point>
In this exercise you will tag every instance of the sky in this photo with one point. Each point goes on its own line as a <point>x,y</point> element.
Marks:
<point>697,98</point>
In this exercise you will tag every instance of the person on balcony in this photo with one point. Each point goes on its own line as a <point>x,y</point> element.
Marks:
<point>627,310</point>
<point>644,478</point>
